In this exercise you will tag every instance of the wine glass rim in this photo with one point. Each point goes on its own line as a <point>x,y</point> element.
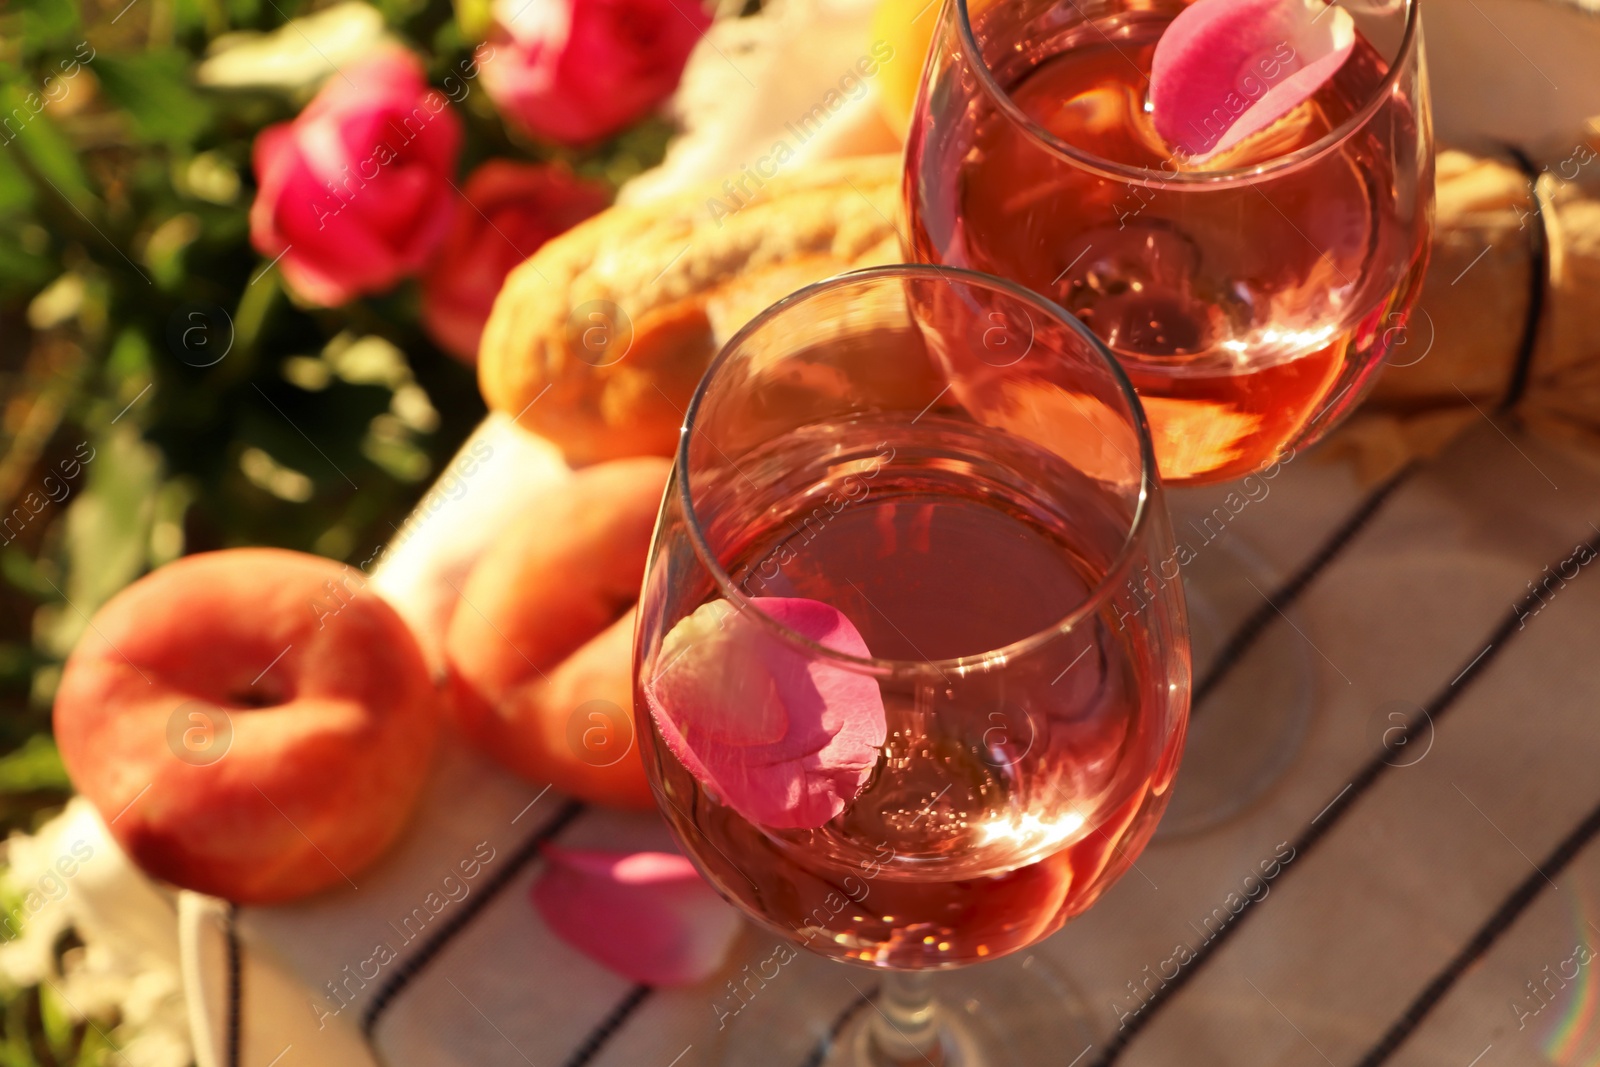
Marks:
<point>1155,176</point>
<point>1149,479</point>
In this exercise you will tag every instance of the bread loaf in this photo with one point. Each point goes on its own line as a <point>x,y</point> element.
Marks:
<point>598,340</point>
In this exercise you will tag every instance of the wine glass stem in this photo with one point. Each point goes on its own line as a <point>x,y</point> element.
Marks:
<point>906,1026</point>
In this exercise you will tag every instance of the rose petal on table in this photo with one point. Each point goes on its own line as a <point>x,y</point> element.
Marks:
<point>1225,69</point>
<point>784,738</point>
<point>647,916</point>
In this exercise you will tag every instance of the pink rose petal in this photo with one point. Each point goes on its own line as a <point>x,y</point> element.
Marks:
<point>1225,69</point>
<point>785,739</point>
<point>648,916</point>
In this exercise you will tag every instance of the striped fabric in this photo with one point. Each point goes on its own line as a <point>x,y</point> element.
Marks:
<point>1441,902</point>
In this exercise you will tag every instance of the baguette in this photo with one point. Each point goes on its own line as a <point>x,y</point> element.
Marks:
<point>598,340</point>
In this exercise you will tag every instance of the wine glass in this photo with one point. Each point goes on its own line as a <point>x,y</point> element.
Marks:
<point>1251,296</point>
<point>897,702</point>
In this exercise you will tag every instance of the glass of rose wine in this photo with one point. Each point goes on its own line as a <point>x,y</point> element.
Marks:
<point>1250,284</point>
<point>896,700</point>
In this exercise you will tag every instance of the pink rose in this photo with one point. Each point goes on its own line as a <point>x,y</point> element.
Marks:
<point>574,71</point>
<point>354,194</point>
<point>511,209</point>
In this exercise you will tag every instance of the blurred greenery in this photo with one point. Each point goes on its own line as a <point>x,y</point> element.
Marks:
<point>125,188</point>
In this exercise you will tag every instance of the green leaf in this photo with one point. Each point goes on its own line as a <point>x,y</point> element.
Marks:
<point>97,1050</point>
<point>55,1018</point>
<point>257,300</point>
<point>17,1050</point>
<point>21,272</point>
<point>33,767</point>
<point>22,572</point>
<point>107,531</point>
<point>244,12</point>
<point>190,16</point>
<point>398,12</point>
<point>48,25</point>
<point>16,193</point>
<point>473,17</point>
<point>42,144</point>
<point>131,358</point>
<point>16,663</point>
<point>164,249</point>
<point>154,89</point>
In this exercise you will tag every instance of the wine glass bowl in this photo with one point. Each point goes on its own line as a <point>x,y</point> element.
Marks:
<point>1250,295</point>
<point>874,444</point>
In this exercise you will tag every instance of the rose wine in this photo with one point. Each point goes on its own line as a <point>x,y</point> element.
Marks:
<point>1250,311</point>
<point>1005,798</point>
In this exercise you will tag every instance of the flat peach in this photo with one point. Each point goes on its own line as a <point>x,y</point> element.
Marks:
<point>539,648</point>
<point>250,723</point>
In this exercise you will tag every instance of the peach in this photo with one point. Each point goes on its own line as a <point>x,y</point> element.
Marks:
<point>250,723</point>
<point>539,648</point>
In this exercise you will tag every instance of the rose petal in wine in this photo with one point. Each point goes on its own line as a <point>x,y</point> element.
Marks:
<point>648,916</point>
<point>784,738</point>
<point>1225,69</point>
